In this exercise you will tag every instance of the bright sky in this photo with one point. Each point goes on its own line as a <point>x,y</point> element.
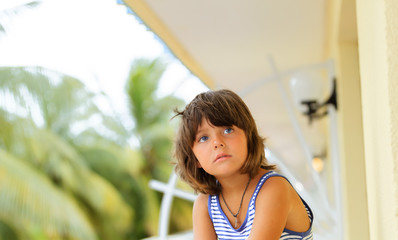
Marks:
<point>93,40</point>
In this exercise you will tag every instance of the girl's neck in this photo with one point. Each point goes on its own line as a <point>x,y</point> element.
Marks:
<point>234,183</point>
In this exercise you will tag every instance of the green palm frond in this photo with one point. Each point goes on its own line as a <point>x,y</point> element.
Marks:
<point>141,88</point>
<point>29,201</point>
<point>59,161</point>
<point>66,166</point>
<point>146,108</point>
<point>10,9</point>
<point>57,158</point>
<point>121,167</point>
<point>58,97</point>
<point>107,181</point>
<point>154,129</point>
<point>6,130</point>
<point>61,101</point>
<point>112,213</point>
<point>17,6</point>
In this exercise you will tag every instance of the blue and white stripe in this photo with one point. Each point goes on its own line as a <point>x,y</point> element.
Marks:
<point>225,231</point>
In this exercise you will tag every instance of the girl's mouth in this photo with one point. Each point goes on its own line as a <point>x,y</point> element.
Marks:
<point>221,156</point>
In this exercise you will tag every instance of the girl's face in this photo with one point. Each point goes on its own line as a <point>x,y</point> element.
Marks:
<point>221,151</point>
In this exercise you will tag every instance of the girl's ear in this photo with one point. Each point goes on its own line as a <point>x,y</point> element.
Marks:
<point>198,164</point>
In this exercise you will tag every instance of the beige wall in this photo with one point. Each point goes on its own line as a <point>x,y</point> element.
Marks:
<point>343,47</point>
<point>351,142</point>
<point>367,73</point>
<point>378,58</point>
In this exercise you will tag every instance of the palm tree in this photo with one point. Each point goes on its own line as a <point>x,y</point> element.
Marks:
<point>45,168</point>
<point>154,129</point>
<point>30,204</point>
<point>102,182</point>
<point>152,115</point>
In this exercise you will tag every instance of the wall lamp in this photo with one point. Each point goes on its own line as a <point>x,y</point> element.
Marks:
<point>308,93</point>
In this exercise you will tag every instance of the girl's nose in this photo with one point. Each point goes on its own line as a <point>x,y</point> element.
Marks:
<point>218,144</point>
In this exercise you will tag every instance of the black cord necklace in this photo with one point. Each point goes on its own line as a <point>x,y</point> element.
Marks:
<point>240,205</point>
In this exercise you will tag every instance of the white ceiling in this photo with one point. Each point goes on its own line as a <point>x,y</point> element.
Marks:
<point>232,39</point>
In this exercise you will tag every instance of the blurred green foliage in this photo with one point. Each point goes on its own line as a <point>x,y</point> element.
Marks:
<point>60,183</point>
<point>12,9</point>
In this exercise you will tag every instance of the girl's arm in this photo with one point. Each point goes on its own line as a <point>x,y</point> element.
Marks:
<point>273,206</point>
<point>202,226</point>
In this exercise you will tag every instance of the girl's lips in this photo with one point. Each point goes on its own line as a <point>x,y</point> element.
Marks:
<point>221,156</point>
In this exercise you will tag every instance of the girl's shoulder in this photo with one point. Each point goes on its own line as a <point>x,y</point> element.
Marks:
<point>201,202</point>
<point>273,184</point>
<point>272,188</point>
<point>272,206</point>
<point>269,177</point>
<point>202,224</point>
<point>200,207</point>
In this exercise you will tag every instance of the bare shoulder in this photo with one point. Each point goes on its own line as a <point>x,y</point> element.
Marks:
<point>201,201</point>
<point>276,185</point>
<point>200,207</point>
<point>202,224</point>
<point>273,206</point>
<point>279,199</point>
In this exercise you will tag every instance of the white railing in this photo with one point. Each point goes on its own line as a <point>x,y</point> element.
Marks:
<point>169,191</point>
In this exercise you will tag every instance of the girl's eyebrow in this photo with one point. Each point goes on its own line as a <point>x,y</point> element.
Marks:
<point>200,131</point>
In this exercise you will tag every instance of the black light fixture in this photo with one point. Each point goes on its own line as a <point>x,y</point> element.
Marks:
<point>315,110</point>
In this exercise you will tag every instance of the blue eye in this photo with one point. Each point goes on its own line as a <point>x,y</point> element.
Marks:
<point>203,139</point>
<point>228,130</point>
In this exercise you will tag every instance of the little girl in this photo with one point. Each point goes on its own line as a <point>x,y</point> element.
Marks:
<point>221,155</point>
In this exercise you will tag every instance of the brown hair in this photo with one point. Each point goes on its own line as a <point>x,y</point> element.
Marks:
<point>220,108</point>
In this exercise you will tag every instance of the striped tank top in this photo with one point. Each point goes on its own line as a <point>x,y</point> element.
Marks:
<point>225,231</point>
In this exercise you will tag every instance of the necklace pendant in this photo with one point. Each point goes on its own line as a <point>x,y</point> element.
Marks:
<point>236,222</point>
